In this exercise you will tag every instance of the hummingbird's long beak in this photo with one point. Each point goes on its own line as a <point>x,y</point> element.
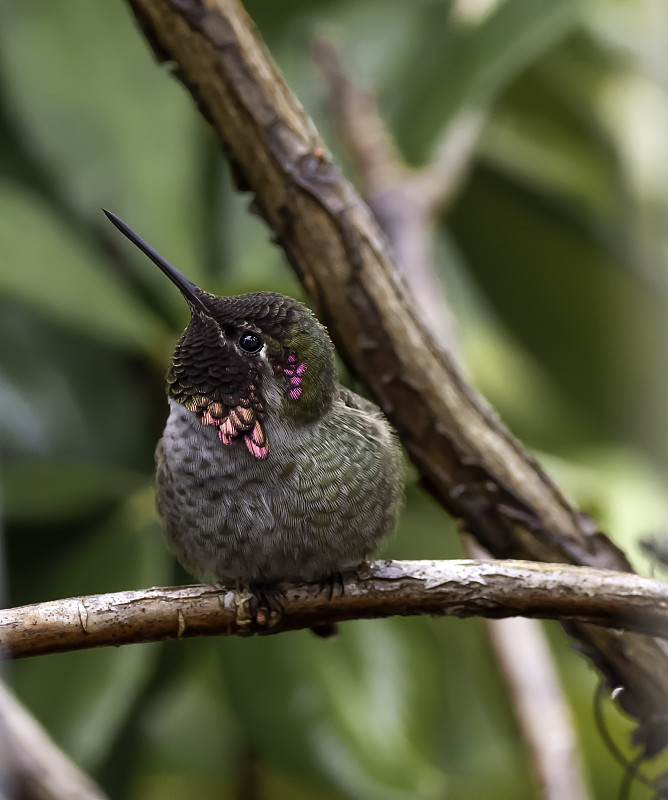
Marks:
<point>189,290</point>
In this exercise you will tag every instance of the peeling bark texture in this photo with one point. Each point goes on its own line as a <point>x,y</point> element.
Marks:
<point>457,588</point>
<point>466,458</point>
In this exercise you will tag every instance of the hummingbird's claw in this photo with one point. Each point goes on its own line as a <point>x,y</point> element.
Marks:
<point>266,607</point>
<point>330,583</point>
<point>328,629</point>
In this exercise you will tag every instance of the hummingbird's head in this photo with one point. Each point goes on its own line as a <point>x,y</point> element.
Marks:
<point>243,359</point>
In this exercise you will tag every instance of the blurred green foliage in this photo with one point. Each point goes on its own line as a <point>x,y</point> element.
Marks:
<point>552,257</point>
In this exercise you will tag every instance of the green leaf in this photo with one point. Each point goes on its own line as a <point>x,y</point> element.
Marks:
<point>53,271</point>
<point>113,128</point>
<point>542,136</point>
<point>561,288</point>
<point>54,492</point>
<point>368,739</point>
<point>456,64</point>
<point>353,722</point>
<point>621,490</point>
<point>186,727</point>
<point>66,396</point>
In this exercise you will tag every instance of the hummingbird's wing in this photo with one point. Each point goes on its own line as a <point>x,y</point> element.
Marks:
<point>354,400</point>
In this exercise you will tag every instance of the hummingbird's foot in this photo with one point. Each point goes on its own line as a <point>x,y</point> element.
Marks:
<point>330,583</point>
<point>328,629</point>
<point>266,607</point>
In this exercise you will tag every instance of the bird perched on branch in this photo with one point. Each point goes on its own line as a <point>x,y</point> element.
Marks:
<point>268,469</point>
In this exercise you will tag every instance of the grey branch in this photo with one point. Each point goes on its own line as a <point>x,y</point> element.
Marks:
<point>524,657</point>
<point>465,456</point>
<point>522,652</point>
<point>31,766</point>
<point>459,588</point>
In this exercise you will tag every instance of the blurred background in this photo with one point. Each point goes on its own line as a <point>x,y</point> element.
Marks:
<point>554,259</point>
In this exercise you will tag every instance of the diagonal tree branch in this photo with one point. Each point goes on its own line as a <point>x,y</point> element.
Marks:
<point>465,456</point>
<point>459,588</point>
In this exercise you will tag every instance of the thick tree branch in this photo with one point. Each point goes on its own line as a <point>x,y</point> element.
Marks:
<point>466,457</point>
<point>459,588</point>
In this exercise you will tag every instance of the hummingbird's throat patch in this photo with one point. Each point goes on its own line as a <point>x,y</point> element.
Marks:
<point>242,422</point>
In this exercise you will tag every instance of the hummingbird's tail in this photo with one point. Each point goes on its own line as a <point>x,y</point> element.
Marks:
<point>326,630</point>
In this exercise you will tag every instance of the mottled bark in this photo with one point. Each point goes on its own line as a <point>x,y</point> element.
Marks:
<point>458,588</point>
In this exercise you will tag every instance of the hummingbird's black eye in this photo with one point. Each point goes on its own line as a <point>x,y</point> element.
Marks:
<point>250,342</point>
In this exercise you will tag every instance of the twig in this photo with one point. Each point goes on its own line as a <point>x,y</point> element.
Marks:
<point>32,764</point>
<point>404,200</point>
<point>465,456</point>
<point>375,157</point>
<point>460,588</point>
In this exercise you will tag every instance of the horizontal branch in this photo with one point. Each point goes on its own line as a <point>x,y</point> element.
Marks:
<point>458,588</point>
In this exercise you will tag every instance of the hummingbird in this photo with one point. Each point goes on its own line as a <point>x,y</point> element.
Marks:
<point>268,469</point>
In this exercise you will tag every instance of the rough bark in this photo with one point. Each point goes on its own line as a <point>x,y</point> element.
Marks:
<point>458,588</point>
<point>466,457</point>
